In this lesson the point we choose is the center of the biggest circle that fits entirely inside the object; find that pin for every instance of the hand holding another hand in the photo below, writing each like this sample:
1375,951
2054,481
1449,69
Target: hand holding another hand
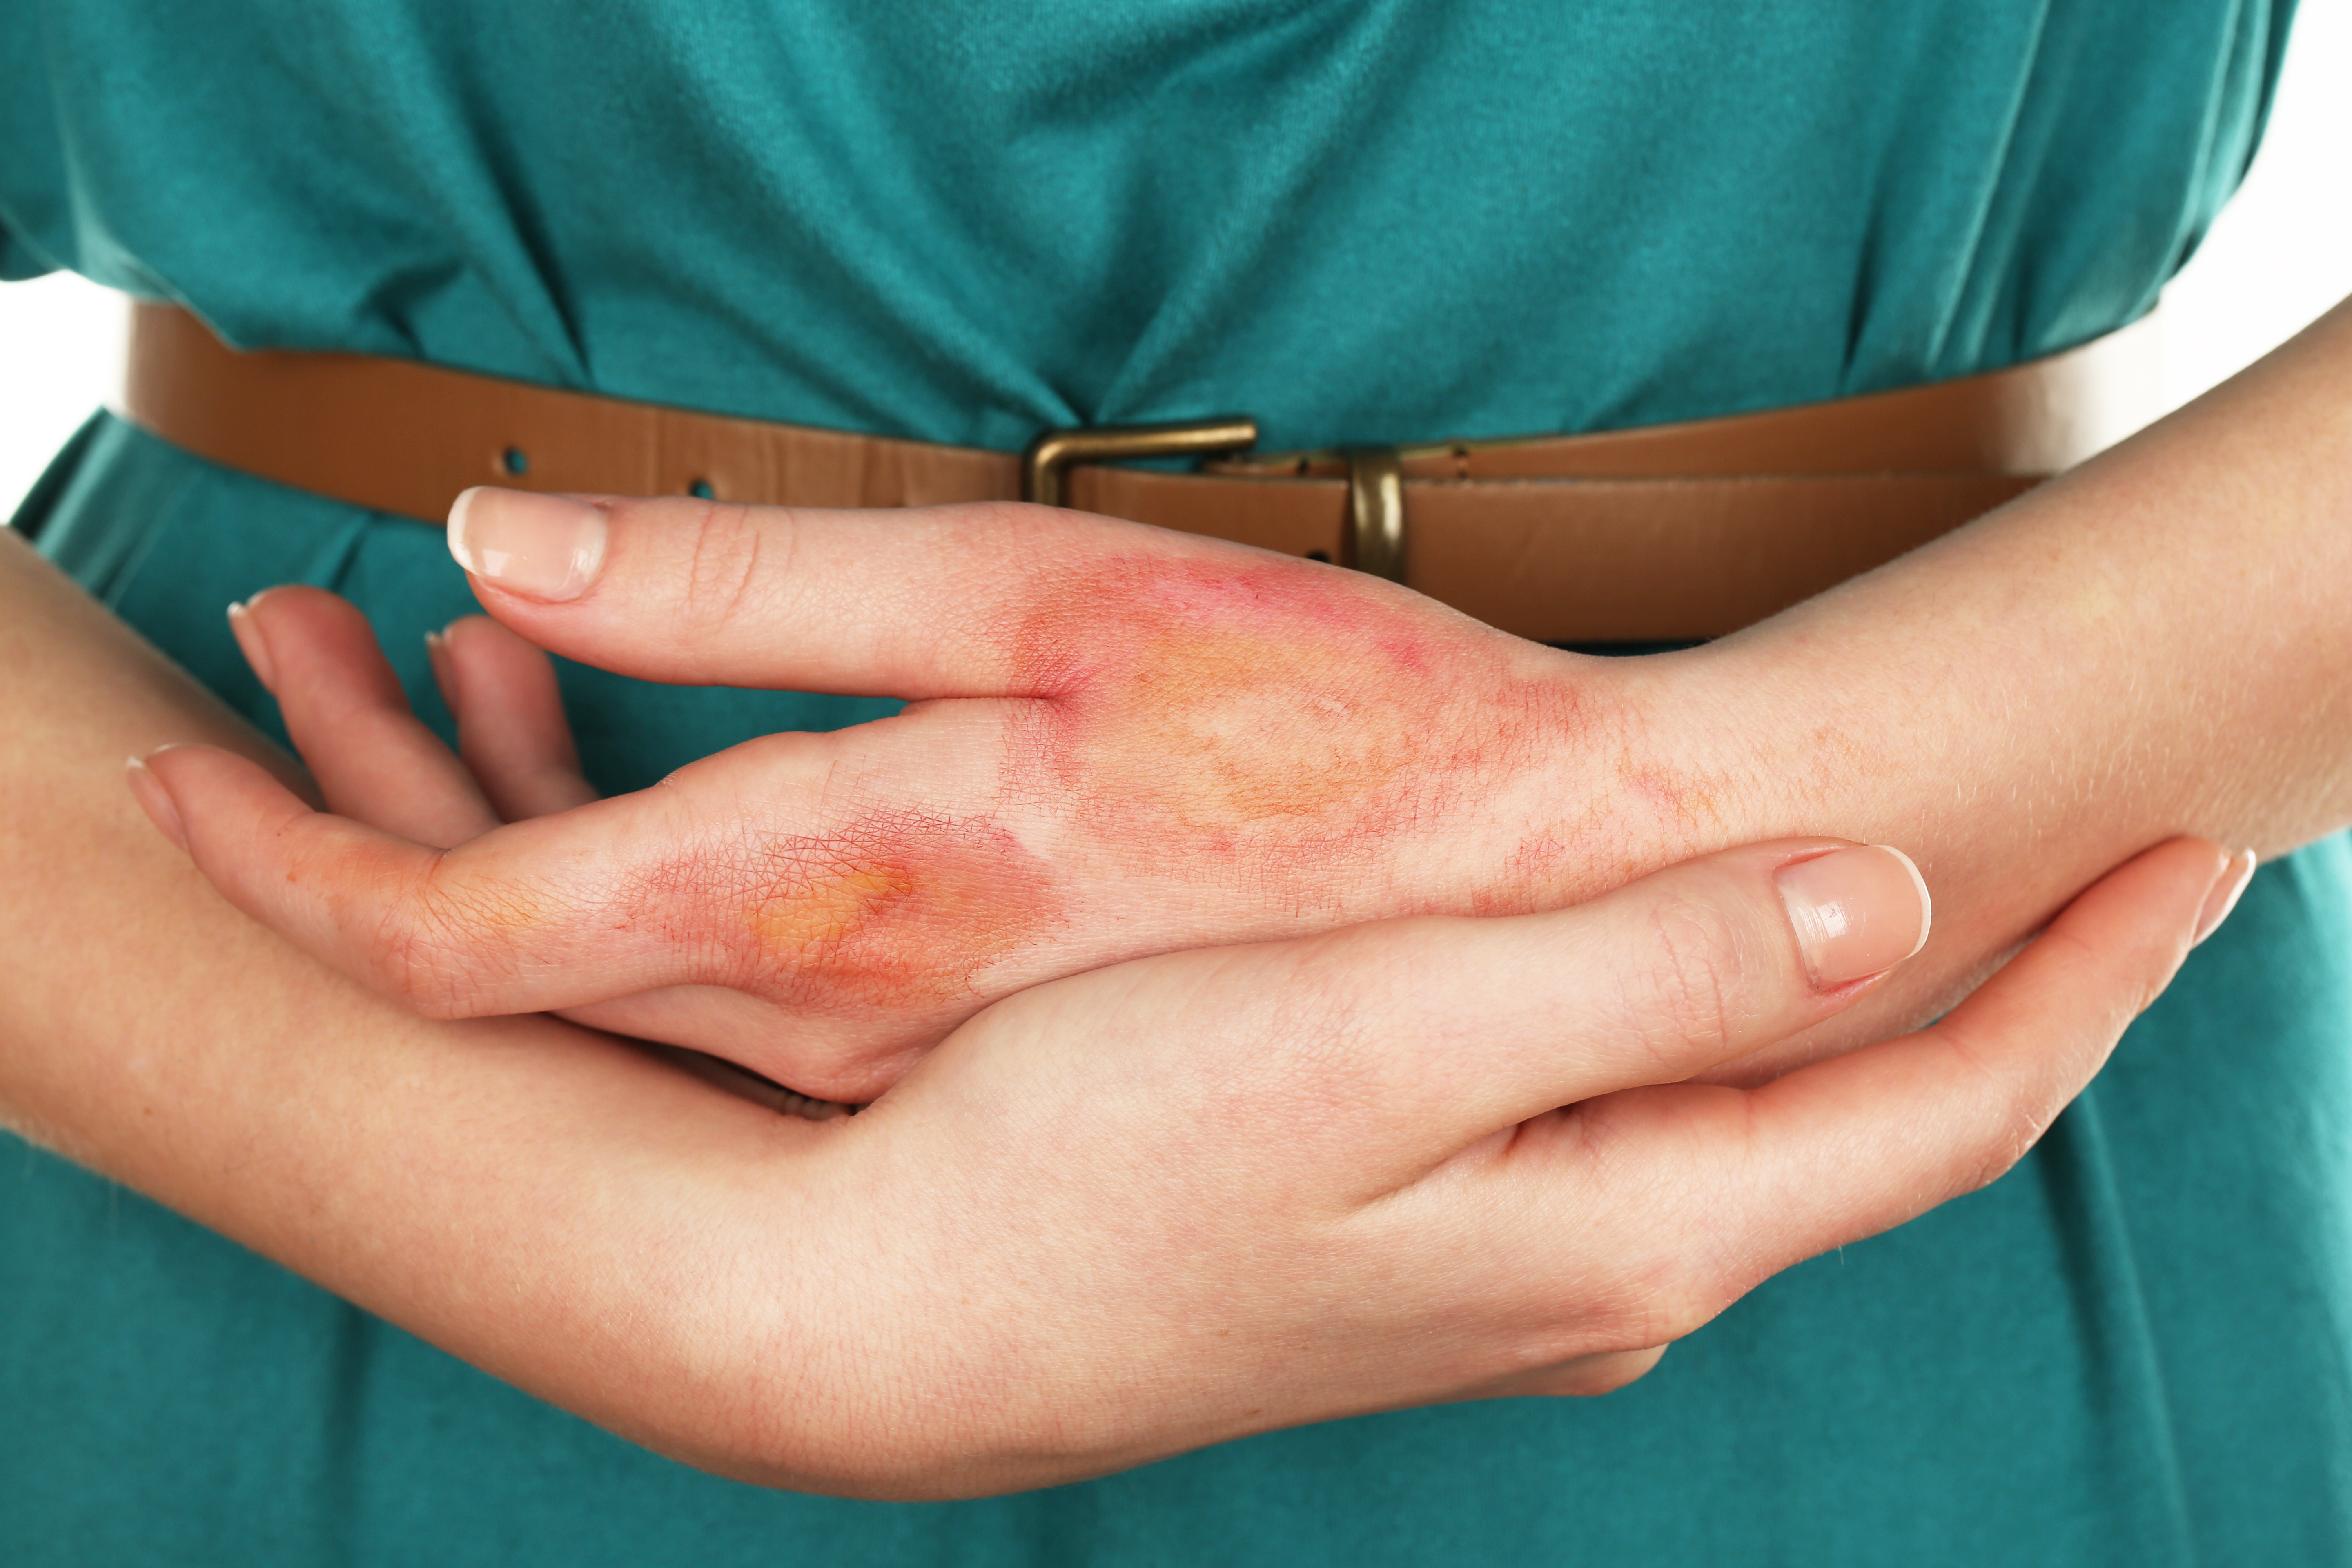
1185,1197
1122,741
1189,1197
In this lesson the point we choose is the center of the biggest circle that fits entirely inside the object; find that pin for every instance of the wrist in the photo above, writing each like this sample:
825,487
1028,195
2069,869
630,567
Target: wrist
1639,772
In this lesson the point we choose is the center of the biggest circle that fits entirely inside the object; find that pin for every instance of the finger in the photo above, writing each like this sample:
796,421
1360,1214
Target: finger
1481,1024
345,711
890,913
511,729
926,602
1716,1189
451,940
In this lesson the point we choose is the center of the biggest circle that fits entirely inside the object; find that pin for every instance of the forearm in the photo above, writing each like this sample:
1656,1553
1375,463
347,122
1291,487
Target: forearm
2157,643
535,1197
1107,1220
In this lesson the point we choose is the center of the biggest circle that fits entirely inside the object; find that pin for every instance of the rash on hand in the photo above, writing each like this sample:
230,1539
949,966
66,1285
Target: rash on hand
897,909
1286,715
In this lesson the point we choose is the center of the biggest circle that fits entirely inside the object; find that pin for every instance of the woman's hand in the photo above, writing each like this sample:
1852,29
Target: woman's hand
1126,742
1136,741
1194,1197
1113,1217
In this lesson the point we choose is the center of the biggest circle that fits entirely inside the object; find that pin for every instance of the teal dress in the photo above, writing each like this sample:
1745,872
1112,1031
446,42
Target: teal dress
1361,220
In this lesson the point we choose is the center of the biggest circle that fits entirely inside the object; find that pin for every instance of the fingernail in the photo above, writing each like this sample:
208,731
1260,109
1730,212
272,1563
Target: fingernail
540,546
1857,911
245,626
156,801
2227,890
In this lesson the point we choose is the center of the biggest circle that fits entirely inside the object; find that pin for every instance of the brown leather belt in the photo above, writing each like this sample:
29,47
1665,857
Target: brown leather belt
1663,532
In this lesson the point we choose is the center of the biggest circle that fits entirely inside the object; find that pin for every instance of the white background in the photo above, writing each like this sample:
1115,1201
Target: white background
2280,255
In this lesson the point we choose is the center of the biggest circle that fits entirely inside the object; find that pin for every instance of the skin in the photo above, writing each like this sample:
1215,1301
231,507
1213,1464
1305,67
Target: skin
1143,775
1104,1220
2155,642
1128,741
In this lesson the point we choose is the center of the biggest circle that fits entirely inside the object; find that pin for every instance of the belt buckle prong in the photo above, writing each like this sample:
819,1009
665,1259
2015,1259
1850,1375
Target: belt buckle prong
1054,453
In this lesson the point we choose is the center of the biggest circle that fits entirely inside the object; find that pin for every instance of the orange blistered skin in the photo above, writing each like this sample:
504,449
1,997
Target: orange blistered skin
899,908
1273,710
818,916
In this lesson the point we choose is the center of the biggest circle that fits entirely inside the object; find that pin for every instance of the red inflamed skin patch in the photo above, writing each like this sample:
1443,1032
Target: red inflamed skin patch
1273,742
895,909
1277,712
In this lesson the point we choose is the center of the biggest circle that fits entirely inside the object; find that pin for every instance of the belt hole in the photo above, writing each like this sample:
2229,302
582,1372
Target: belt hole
700,491
515,460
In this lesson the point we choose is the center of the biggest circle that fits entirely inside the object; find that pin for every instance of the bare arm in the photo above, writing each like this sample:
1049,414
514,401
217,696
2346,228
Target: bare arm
429,1170
1107,1219
2159,642
1134,741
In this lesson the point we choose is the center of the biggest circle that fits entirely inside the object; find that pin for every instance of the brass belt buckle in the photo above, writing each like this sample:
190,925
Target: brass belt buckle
1374,538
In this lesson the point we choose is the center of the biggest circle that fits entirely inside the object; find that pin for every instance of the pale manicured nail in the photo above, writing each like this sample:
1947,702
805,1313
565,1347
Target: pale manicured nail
246,628
1857,911
2227,890
542,547
156,801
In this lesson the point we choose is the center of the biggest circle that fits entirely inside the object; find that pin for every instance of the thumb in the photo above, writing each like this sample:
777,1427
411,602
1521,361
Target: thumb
1439,1030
